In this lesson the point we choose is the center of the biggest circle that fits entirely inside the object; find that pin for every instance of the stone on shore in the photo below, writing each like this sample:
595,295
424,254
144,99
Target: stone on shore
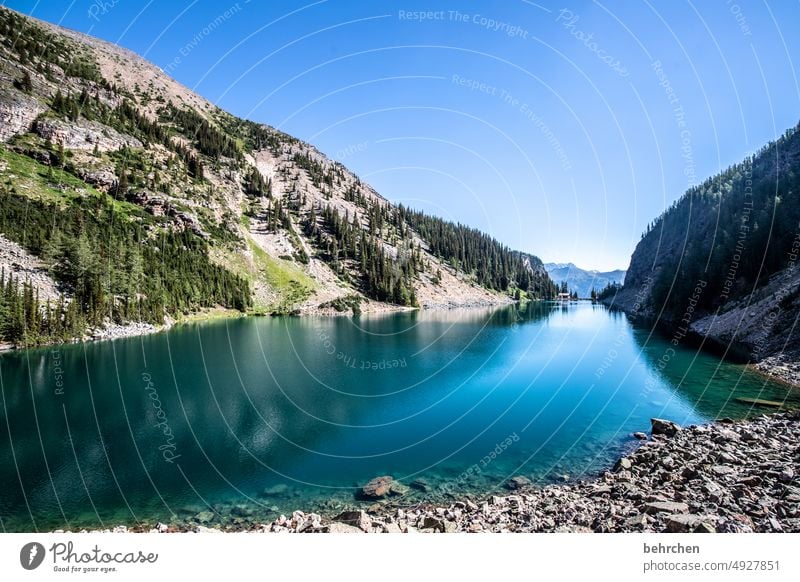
358,519
666,507
664,427
683,523
623,464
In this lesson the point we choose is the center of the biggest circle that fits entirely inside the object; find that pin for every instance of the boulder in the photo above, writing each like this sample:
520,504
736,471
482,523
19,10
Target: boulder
640,436
721,470
357,519
666,507
377,488
705,528
637,521
683,523
623,464
434,523
664,427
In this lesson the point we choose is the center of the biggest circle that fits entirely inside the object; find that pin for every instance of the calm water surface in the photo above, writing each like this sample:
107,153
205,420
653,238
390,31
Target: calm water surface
248,418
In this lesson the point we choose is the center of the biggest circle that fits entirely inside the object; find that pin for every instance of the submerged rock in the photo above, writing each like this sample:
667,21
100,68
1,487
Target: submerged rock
377,488
242,511
204,517
518,482
421,485
279,490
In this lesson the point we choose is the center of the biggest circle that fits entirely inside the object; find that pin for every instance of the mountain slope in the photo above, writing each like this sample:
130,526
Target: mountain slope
581,281
142,201
721,262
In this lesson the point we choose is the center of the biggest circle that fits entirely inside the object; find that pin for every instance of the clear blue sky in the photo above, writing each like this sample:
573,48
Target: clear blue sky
553,128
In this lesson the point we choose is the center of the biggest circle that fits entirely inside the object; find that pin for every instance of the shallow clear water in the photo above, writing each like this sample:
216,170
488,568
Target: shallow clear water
276,414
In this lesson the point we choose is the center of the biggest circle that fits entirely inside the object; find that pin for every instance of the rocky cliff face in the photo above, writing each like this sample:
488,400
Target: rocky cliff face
16,114
760,324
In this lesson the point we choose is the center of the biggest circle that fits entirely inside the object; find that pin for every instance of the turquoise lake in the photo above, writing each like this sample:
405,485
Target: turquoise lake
249,418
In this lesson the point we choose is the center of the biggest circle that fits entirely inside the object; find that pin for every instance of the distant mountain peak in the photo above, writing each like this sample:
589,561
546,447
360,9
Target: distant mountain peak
581,280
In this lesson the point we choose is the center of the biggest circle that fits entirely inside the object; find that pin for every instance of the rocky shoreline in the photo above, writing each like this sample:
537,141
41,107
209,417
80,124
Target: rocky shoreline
781,368
113,331
723,477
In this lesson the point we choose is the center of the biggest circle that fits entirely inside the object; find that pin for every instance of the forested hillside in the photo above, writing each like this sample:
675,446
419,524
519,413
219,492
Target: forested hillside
723,247
139,201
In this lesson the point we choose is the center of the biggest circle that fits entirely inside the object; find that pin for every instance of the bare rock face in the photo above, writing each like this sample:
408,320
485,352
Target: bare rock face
102,179
24,267
17,114
84,135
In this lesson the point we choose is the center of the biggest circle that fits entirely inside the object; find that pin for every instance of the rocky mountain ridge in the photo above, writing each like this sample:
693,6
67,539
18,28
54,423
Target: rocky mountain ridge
93,128
583,281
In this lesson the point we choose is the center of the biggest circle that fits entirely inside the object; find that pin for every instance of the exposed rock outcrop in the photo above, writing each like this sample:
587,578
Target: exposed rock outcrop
17,114
83,135
24,267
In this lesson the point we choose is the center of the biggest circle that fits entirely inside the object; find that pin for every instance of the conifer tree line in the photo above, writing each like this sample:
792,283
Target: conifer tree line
110,267
346,245
26,321
739,228
493,264
210,140
39,47
256,185
607,292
